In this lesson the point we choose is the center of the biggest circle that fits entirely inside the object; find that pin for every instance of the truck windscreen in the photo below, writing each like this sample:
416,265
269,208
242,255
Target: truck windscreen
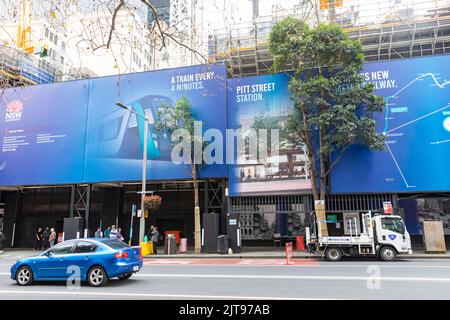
393,224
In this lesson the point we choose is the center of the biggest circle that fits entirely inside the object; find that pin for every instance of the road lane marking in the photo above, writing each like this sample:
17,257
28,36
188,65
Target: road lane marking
155,295
276,277
279,277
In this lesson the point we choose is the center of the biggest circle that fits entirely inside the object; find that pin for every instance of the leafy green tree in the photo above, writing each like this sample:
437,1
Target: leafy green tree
333,107
181,117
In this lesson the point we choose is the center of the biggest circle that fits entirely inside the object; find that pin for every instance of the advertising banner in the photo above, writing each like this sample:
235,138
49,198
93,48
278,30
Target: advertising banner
416,122
43,132
267,161
115,136
74,132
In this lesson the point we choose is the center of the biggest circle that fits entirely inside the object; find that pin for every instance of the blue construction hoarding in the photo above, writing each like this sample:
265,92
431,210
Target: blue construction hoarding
416,122
73,132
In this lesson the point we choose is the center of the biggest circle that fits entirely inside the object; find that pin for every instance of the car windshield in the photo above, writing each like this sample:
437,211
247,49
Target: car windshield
393,224
115,244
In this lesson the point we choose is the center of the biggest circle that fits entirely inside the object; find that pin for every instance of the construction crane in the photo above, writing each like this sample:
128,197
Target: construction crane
24,26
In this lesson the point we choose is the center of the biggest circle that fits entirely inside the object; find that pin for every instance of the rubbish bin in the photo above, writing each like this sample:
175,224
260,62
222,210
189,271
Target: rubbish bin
170,244
222,244
176,233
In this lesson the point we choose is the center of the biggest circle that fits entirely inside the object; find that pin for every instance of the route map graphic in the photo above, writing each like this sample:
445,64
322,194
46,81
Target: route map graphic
416,123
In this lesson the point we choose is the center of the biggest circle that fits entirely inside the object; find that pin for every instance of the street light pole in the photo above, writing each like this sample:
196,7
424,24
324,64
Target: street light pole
144,179
144,168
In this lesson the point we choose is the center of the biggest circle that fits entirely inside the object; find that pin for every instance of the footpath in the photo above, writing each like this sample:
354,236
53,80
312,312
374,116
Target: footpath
269,253
247,253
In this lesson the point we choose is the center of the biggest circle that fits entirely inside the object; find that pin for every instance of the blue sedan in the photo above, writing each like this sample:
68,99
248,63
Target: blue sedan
94,260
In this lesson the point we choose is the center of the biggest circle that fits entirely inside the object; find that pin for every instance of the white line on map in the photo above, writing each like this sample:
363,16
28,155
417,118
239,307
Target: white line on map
420,118
439,142
398,167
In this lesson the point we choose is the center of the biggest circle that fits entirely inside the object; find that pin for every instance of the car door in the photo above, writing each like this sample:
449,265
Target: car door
82,255
52,264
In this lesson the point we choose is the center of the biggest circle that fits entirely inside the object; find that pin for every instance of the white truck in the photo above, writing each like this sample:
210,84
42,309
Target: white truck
384,236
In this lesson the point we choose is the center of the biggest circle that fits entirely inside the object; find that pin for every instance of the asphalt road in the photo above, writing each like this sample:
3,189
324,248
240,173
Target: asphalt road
255,279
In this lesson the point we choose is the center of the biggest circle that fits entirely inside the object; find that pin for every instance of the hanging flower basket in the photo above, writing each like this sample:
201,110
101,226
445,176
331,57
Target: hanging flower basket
152,202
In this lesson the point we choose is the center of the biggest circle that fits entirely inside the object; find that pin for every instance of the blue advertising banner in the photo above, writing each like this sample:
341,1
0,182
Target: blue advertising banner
262,102
73,132
115,136
416,122
43,132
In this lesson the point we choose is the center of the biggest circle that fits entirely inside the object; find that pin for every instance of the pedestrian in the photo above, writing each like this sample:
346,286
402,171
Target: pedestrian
2,238
113,232
119,234
99,233
38,238
45,238
107,231
154,238
52,238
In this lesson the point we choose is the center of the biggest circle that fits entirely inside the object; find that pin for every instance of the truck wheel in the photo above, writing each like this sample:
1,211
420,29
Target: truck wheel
388,253
333,254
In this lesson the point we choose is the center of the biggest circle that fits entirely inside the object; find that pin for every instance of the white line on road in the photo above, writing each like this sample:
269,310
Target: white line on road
327,265
151,295
276,277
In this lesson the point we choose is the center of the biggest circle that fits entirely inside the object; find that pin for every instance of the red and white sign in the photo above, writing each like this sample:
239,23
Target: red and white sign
387,207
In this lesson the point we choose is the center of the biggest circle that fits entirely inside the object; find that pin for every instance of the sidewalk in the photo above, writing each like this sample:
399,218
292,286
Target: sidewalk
247,253
277,253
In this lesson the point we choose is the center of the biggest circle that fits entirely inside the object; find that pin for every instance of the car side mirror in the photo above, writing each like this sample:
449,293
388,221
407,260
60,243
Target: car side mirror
47,253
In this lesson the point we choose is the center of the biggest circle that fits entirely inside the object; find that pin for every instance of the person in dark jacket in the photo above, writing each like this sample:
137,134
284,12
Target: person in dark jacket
154,233
38,238
2,238
46,238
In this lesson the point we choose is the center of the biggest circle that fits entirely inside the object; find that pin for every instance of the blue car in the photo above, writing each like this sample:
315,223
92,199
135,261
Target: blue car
97,261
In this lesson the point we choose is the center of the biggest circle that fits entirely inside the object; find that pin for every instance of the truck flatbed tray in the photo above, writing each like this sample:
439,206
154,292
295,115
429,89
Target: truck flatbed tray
346,240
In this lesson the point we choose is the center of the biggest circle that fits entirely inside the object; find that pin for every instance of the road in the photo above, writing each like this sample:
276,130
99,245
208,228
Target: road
255,279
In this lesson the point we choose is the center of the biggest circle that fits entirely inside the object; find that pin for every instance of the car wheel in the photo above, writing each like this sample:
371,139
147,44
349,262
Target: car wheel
24,276
333,254
388,253
97,277
125,276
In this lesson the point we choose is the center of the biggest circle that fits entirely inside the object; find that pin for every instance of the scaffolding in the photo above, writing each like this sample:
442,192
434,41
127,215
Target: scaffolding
19,68
399,33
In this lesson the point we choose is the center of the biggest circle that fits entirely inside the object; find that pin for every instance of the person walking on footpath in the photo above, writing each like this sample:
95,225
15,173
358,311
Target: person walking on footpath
119,234
154,233
98,233
107,231
2,239
45,238
52,238
113,232
38,238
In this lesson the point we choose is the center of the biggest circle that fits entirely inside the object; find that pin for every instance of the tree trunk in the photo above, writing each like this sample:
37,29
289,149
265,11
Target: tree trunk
322,167
197,227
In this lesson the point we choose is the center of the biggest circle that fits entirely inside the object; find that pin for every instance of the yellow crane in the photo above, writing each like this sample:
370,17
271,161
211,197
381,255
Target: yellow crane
24,26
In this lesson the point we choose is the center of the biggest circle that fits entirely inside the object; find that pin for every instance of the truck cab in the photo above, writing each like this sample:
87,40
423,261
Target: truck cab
391,234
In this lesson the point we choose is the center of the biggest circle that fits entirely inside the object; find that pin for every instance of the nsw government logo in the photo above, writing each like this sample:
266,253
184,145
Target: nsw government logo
14,111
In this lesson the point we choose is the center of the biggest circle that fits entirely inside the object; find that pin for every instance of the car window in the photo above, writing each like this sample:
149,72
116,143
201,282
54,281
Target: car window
85,247
63,248
115,244
394,225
